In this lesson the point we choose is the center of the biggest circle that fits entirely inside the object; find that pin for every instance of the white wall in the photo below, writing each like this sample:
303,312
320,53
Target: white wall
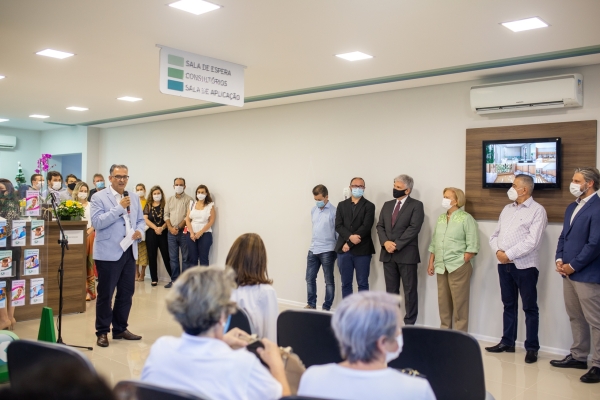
27,152
261,165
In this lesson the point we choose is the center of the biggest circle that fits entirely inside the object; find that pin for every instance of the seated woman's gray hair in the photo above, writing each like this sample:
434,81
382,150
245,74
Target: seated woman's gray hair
361,319
200,297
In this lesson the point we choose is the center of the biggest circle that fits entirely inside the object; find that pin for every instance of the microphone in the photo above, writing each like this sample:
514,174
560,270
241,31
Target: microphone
126,194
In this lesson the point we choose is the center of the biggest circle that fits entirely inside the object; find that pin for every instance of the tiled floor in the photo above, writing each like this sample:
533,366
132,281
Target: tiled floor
507,375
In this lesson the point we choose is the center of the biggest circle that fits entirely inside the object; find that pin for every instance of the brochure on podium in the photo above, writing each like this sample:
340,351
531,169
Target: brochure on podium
6,264
19,233
36,293
18,293
32,262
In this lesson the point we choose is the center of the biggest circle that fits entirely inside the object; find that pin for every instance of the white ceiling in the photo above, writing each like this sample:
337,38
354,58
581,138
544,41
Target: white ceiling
286,45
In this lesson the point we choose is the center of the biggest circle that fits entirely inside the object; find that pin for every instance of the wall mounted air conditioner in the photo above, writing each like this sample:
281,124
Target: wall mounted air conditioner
531,94
7,142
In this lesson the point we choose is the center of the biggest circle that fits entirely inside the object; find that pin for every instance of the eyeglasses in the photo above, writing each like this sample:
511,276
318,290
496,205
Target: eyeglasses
357,187
121,177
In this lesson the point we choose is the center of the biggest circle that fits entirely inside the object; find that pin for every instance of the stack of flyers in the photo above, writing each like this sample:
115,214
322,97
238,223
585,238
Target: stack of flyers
37,232
18,293
18,234
3,233
6,267
36,291
2,294
32,203
32,262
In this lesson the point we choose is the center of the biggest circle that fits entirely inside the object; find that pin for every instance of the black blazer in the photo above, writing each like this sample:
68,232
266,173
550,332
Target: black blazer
360,223
405,232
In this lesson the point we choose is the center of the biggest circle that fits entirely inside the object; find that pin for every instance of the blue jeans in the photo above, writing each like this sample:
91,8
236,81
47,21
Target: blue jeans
512,282
314,262
176,242
348,263
198,250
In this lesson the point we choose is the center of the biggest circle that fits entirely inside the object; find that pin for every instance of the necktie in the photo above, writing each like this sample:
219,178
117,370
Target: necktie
395,213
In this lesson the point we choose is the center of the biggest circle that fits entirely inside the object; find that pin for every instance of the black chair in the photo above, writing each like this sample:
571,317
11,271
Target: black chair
451,361
301,398
310,335
241,320
136,390
22,355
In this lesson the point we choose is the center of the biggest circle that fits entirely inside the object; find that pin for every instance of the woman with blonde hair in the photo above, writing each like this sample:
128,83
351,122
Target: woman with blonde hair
142,260
80,194
455,242
255,293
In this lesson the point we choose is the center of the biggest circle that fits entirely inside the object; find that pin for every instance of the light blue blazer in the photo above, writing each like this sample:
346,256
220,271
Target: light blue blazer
107,220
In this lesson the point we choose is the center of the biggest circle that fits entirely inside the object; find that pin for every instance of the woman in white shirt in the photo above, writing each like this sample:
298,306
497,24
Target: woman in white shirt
80,194
367,326
203,359
199,221
255,293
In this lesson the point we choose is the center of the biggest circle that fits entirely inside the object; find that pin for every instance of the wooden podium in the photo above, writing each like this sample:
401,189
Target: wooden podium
74,276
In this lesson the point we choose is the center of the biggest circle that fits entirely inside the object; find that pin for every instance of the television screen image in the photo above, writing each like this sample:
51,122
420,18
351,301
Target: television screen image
503,160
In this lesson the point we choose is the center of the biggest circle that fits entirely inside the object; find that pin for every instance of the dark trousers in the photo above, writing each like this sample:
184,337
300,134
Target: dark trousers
154,243
313,263
348,263
119,275
175,243
198,250
393,273
512,282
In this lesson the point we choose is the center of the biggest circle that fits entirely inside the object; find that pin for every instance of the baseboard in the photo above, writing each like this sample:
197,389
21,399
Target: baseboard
297,304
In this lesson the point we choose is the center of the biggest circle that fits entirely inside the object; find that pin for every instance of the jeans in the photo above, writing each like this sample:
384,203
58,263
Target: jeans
198,250
314,262
513,281
348,263
176,242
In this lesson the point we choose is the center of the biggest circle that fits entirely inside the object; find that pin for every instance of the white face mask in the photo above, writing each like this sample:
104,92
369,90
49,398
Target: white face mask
575,189
178,189
512,194
447,204
56,185
393,355
37,185
157,197
82,195
200,196
140,193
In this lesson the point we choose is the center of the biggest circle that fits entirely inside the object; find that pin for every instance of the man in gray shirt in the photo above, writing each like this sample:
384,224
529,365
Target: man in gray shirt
175,213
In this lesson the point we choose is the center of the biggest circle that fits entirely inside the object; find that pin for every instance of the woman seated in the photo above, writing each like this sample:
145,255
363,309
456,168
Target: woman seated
203,360
255,293
367,327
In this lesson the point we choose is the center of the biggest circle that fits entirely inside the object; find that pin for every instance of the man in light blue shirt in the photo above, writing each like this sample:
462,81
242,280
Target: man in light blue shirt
322,247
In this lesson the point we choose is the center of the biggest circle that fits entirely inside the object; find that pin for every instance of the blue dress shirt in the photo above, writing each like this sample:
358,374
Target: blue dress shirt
324,235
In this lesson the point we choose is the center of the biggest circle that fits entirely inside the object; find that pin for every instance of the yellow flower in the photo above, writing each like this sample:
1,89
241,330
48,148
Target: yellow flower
69,203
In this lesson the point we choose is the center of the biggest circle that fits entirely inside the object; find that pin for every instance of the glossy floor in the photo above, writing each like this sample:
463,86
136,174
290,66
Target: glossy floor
507,375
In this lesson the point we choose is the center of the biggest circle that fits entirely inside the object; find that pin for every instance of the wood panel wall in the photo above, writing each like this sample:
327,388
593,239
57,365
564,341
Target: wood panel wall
578,150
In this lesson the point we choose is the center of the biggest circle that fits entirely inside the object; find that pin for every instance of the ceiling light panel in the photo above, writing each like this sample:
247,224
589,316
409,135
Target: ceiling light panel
77,108
2,77
129,98
196,7
54,54
39,116
525,24
3,120
354,56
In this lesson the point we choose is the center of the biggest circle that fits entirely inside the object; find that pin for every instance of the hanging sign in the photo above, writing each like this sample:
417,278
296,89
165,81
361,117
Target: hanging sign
199,77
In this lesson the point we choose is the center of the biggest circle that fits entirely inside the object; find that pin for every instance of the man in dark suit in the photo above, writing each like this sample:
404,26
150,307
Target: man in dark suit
398,229
353,222
578,262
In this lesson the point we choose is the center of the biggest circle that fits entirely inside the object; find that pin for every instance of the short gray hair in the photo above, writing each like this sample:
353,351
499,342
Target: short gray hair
407,180
361,319
200,297
115,166
590,174
527,182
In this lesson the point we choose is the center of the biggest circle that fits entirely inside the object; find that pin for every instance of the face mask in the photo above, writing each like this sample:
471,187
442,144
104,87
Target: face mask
200,196
393,355
226,326
56,185
37,185
71,186
399,193
157,197
447,204
320,204
82,195
178,189
512,194
575,189
140,193
100,185
357,193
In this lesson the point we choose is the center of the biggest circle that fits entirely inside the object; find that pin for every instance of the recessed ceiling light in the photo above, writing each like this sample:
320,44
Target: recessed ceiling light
3,120
2,77
39,116
354,56
129,98
77,108
54,54
196,7
525,24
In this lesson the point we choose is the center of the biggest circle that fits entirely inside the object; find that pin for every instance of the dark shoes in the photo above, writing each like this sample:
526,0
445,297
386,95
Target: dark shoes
102,340
592,376
168,285
531,356
500,348
126,335
569,362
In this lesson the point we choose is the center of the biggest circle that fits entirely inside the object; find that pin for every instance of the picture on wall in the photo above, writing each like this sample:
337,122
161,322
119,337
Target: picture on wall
18,293
37,232
18,233
6,264
3,233
32,262
36,291
3,294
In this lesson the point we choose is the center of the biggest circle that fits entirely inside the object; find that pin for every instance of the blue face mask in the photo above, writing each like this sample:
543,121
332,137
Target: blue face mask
320,204
100,185
357,193
226,327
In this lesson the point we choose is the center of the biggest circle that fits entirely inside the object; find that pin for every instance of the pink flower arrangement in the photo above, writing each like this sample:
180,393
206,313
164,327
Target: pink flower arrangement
42,164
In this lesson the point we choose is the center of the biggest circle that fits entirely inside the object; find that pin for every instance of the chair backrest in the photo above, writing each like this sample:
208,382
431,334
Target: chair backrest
241,320
137,390
451,361
310,335
301,398
22,355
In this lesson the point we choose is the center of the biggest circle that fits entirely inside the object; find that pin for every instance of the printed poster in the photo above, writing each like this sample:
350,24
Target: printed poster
3,233
3,294
36,293
18,293
19,233
32,203
6,264
37,232
32,262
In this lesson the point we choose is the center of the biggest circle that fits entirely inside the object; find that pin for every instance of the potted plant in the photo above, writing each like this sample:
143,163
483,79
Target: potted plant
70,210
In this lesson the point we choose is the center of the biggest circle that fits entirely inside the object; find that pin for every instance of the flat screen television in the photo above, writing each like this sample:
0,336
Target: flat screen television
503,160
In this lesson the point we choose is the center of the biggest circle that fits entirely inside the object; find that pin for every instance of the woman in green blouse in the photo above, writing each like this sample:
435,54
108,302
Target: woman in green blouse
455,242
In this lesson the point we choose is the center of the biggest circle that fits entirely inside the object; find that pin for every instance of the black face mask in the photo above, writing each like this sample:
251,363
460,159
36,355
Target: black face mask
71,186
399,193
